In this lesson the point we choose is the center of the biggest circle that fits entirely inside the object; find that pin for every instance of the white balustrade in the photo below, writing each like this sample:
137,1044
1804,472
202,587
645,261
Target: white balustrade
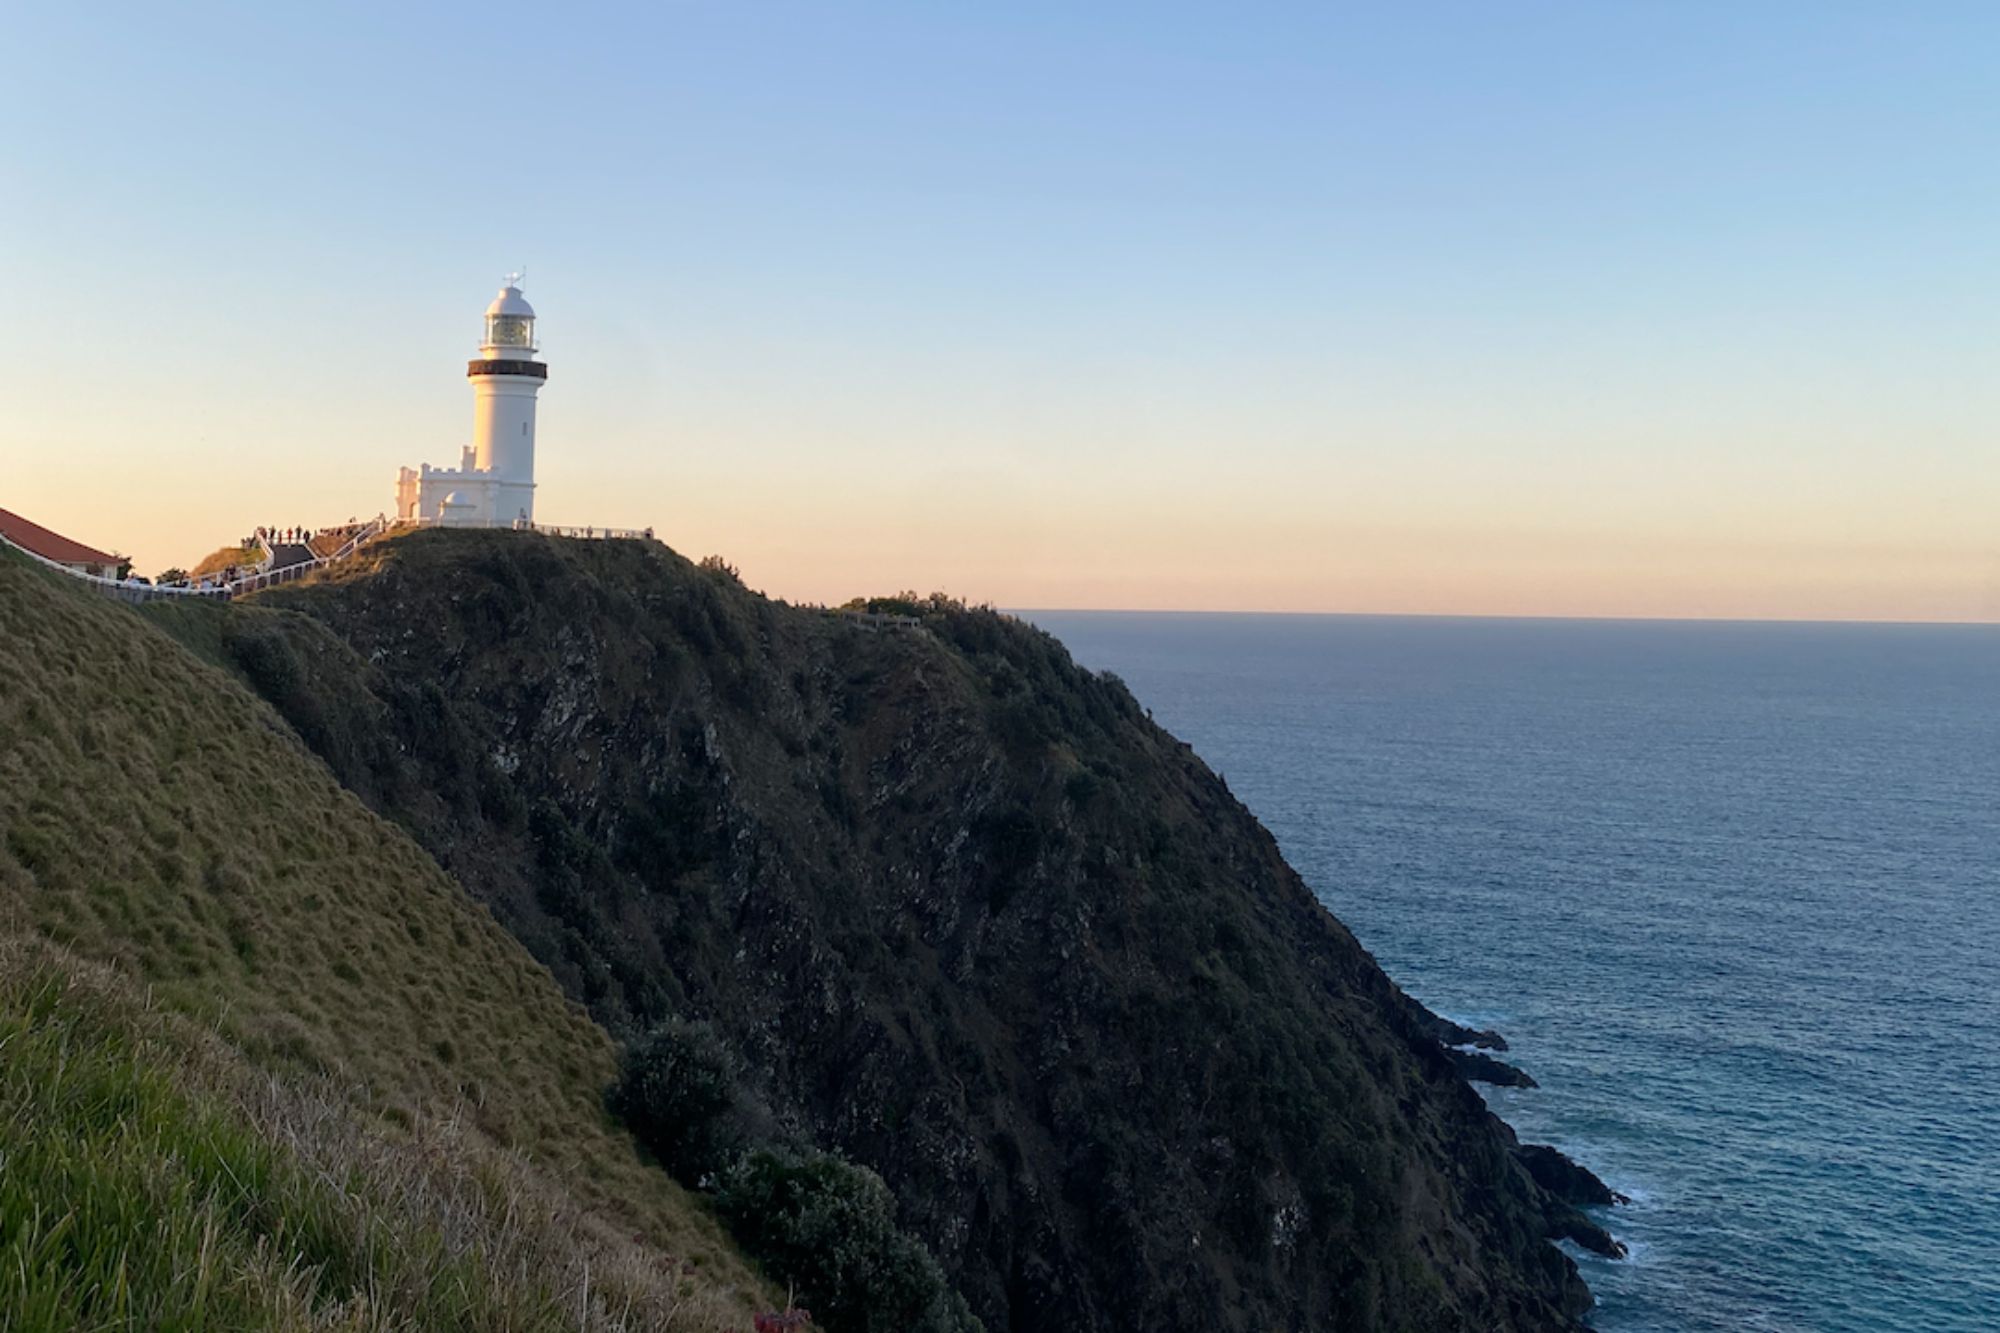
131,590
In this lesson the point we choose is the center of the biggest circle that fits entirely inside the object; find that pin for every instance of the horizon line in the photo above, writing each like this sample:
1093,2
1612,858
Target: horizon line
1802,621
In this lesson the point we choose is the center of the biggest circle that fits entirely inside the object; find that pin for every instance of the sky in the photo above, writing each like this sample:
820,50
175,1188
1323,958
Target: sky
1608,307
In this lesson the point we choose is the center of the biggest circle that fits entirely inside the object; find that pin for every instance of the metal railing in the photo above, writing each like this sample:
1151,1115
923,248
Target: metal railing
125,590
588,533
879,620
135,592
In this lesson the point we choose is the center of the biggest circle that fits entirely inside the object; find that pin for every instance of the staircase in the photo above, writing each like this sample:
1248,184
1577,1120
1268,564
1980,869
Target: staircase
294,560
286,554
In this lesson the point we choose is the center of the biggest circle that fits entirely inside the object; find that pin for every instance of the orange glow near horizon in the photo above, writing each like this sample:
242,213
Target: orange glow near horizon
1241,543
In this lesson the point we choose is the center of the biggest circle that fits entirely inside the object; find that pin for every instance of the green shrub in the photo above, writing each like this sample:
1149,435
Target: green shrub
716,565
828,1227
678,1092
266,657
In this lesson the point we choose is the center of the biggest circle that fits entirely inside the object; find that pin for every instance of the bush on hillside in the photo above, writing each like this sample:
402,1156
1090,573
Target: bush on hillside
267,659
715,564
828,1227
814,1220
908,603
678,1090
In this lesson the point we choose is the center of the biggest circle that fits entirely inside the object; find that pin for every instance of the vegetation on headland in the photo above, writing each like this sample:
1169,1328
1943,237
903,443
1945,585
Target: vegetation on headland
960,978
910,603
966,916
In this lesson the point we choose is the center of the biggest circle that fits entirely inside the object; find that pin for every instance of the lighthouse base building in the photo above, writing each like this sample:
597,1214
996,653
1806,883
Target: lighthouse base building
493,485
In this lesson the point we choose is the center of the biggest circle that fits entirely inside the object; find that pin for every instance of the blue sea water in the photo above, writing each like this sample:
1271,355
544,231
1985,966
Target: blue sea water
1728,889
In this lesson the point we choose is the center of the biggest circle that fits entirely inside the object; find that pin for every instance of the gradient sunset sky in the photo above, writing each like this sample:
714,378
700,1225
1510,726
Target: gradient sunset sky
1645,307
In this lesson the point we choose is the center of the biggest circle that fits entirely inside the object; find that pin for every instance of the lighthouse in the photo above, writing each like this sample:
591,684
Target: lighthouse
494,483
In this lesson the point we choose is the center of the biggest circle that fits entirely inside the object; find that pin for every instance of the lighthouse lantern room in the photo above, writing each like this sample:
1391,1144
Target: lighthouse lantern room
494,483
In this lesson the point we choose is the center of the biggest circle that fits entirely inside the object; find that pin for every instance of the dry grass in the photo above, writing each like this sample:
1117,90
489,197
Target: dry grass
157,817
215,562
154,1179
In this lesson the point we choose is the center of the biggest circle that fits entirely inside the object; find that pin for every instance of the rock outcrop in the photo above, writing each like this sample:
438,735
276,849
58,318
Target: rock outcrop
1480,1068
1563,1178
1449,1033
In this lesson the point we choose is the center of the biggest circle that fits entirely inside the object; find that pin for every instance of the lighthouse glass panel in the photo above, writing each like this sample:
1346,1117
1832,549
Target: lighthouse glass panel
510,331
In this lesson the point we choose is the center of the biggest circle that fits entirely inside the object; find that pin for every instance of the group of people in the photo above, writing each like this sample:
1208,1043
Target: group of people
302,536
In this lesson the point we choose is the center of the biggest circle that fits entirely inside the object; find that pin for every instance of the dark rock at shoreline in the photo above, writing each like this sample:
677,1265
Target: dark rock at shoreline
1477,1068
1569,1224
1562,1177
1565,1184
1457,1034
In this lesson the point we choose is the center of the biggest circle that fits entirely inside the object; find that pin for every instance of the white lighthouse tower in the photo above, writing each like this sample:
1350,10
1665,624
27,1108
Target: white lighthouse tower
494,483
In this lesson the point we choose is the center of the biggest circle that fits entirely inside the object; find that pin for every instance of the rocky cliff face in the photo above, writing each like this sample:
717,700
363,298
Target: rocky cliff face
969,915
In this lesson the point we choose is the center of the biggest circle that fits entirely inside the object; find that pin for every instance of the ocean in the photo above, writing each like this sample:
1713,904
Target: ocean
1729,891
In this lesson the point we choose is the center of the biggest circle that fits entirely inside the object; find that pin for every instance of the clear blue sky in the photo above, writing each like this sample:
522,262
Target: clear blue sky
1648,308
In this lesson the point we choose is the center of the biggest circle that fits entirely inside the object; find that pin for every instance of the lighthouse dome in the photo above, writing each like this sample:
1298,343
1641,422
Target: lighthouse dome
510,302
510,324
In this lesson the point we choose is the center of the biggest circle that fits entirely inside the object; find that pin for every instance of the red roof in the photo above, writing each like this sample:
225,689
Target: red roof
50,545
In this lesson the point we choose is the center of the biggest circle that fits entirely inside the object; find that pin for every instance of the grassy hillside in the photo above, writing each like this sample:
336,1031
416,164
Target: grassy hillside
153,1180
156,817
228,557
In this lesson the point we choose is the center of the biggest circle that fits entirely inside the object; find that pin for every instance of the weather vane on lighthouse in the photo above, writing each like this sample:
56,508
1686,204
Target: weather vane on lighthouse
514,278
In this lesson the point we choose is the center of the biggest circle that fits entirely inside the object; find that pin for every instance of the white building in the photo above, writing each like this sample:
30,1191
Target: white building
494,482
